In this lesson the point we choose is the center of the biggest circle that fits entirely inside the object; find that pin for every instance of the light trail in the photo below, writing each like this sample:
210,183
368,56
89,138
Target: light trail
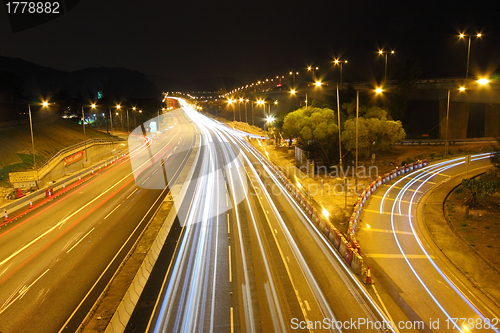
428,173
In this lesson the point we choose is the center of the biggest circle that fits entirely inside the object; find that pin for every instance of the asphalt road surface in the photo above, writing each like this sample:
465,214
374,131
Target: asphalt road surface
248,259
416,282
57,258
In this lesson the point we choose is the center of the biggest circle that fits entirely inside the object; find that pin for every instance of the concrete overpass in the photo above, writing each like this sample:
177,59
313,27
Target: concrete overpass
485,98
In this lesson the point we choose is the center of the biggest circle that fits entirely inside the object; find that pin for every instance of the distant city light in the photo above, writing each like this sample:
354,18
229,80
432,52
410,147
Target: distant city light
483,81
378,90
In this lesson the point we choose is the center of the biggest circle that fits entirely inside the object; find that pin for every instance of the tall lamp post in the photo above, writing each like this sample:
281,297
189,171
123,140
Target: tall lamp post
84,135
382,52
246,113
31,129
239,108
230,102
340,63
293,73
261,102
468,52
311,68
378,91
338,122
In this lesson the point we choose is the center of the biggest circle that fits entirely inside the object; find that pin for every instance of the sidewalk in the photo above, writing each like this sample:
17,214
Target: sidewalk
479,271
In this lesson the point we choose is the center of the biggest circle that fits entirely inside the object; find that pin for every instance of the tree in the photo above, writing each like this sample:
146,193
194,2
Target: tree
478,188
375,132
316,128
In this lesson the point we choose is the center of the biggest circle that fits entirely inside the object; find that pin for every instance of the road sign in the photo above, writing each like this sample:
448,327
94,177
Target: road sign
73,158
25,185
25,176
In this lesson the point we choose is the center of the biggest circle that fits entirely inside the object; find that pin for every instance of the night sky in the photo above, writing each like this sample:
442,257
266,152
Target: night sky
248,40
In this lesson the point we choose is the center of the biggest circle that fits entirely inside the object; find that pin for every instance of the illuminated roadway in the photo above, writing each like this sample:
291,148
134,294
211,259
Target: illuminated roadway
56,259
420,283
248,260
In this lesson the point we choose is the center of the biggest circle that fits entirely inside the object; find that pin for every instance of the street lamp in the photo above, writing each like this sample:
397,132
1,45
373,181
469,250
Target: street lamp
293,73
468,52
261,102
93,106
44,104
310,68
246,113
378,91
239,107
340,63
135,123
230,102
381,52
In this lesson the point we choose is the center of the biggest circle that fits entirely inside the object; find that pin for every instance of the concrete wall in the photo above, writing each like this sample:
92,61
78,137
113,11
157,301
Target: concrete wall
457,122
95,153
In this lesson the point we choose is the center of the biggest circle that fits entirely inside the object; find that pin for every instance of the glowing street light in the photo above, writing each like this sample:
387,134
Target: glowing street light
44,104
461,88
378,90
483,81
317,83
340,63
381,52
479,35
293,91
93,106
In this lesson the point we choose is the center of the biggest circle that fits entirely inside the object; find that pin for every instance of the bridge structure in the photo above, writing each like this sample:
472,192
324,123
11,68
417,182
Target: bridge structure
462,100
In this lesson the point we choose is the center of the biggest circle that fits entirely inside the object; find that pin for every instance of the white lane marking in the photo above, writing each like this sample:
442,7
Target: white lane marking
232,322
132,193
385,309
228,227
388,231
397,256
80,240
112,211
307,305
227,200
146,180
22,292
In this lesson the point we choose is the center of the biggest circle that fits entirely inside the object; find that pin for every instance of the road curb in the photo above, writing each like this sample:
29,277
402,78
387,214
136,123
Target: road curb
435,223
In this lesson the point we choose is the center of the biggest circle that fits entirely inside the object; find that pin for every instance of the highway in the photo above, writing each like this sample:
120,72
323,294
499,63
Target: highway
415,281
248,259
57,258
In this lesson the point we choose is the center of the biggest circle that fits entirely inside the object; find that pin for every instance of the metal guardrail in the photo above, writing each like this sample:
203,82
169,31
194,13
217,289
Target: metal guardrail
88,142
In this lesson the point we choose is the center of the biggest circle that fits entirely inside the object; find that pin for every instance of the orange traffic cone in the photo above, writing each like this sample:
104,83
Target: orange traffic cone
368,276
